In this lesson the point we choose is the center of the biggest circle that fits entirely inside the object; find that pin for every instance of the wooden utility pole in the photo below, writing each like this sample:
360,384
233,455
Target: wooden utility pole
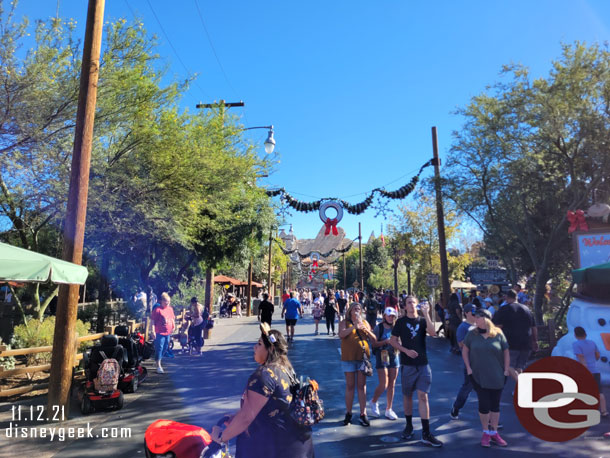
360,247
440,218
269,273
344,275
249,296
74,231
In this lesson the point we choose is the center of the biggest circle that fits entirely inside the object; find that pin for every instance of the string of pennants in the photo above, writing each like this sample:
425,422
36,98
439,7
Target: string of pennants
355,209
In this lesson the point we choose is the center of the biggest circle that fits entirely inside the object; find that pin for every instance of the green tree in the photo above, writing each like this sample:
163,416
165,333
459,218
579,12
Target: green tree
529,151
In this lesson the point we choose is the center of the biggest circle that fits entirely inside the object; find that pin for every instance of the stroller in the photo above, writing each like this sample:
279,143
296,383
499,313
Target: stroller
104,371
134,372
169,438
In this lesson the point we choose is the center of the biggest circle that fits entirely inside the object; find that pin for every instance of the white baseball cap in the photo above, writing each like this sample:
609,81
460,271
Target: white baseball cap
390,311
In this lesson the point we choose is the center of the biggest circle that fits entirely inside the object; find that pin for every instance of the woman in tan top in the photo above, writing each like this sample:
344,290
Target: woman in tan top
354,332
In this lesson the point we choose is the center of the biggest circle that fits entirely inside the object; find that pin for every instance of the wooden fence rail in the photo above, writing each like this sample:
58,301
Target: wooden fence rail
45,367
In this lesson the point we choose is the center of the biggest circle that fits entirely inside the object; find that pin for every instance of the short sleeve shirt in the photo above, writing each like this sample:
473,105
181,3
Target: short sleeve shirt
587,348
163,319
266,309
412,334
516,321
292,307
487,359
462,330
272,426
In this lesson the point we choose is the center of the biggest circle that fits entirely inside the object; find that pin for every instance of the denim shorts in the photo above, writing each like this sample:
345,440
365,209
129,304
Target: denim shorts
350,366
394,362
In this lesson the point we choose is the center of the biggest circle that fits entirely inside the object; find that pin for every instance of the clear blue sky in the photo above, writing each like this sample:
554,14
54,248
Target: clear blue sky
352,87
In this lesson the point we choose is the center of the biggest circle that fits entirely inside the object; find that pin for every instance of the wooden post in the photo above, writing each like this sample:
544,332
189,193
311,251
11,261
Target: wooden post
74,231
361,265
249,295
209,290
440,219
344,275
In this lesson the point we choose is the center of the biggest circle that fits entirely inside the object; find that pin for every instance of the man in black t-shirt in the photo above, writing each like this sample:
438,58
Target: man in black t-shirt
265,310
409,338
519,327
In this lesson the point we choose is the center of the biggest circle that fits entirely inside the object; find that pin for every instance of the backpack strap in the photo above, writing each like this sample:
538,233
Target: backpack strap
103,355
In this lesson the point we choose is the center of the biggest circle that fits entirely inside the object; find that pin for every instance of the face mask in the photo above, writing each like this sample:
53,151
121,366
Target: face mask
482,330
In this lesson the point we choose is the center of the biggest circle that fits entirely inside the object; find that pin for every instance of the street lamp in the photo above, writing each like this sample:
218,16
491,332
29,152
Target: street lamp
270,142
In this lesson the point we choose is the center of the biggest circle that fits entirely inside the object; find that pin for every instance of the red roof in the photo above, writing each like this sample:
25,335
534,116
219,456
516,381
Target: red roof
223,279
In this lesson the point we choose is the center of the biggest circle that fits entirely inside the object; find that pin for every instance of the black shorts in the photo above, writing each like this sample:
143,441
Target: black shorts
291,321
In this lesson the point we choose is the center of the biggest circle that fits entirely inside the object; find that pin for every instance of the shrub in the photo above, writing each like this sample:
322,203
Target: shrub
40,334
7,362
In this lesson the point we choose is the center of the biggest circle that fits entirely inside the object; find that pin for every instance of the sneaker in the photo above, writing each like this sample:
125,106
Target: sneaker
407,433
391,415
374,409
160,370
485,440
347,419
498,440
454,414
429,439
364,421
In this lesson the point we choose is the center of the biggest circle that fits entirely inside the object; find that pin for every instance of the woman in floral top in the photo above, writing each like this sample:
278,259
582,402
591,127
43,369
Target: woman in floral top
262,426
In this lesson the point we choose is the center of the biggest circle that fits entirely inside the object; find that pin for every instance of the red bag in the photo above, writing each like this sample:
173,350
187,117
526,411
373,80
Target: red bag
184,441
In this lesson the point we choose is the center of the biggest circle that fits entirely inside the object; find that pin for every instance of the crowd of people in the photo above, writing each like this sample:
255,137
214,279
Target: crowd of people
494,334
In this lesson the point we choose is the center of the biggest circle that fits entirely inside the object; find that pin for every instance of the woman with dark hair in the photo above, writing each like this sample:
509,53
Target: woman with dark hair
455,319
330,311
262,425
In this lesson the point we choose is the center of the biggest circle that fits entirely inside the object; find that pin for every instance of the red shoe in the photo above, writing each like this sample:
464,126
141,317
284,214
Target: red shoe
498,440
485,440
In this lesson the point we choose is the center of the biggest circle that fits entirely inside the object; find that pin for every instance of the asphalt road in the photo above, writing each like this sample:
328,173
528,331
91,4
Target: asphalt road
200,390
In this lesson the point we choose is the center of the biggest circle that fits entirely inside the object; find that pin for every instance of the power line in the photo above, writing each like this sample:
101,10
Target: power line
214,49
174,49
222,69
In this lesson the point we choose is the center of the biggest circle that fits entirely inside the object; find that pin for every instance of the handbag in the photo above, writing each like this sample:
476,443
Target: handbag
366,367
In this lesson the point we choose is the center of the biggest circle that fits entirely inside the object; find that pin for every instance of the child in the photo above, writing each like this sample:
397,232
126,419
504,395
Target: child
317,314
587,353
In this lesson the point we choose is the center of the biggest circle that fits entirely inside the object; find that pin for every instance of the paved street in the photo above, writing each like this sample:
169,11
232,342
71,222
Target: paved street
200,390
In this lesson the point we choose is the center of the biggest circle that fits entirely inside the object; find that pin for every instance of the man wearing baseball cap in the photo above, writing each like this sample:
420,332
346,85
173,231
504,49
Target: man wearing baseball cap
466,388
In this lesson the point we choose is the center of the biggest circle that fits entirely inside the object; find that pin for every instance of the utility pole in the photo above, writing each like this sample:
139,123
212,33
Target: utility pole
269,273
209,273
344,275
249,296
360,246
440,218
74,231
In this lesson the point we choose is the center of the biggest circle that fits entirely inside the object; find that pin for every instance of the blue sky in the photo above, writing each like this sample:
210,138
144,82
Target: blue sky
352,87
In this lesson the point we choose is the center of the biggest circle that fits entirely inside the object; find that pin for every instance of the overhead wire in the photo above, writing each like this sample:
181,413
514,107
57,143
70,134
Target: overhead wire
169,41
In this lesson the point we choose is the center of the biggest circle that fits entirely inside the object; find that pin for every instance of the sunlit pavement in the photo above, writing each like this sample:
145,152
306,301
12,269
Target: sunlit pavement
200,389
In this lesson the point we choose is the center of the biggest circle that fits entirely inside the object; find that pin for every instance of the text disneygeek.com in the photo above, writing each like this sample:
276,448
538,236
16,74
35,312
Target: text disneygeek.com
61,433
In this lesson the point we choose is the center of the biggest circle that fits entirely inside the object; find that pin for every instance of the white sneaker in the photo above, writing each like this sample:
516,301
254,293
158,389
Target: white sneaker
160,370
391,415
374,409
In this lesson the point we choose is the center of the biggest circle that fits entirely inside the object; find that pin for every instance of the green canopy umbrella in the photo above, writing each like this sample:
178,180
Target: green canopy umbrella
599,274
18,264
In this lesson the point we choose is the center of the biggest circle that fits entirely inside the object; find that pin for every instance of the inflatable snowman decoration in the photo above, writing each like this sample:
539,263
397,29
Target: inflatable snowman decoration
591,309
594,317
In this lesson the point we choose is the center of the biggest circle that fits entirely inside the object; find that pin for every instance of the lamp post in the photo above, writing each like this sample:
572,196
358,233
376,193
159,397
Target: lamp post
269,147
